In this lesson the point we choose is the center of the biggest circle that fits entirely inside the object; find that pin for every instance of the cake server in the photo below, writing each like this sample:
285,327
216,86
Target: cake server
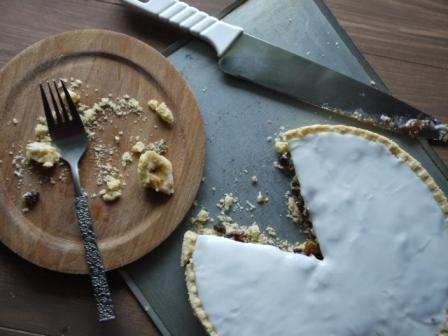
245,56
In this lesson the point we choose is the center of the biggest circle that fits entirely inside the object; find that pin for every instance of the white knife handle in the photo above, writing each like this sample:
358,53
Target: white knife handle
219,34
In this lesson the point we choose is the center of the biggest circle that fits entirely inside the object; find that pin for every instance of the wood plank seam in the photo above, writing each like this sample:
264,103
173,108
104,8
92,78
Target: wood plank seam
21,332
404,61
111,3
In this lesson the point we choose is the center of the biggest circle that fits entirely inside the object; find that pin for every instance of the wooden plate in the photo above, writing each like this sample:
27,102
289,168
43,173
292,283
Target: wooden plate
48,235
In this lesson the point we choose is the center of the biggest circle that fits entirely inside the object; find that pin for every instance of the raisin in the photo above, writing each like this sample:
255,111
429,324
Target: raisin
283,160
31,198
220,228
295,186
310,248
239,236
297,250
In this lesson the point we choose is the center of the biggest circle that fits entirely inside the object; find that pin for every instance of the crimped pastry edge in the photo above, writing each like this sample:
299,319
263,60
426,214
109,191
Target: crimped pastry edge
188,245
190,238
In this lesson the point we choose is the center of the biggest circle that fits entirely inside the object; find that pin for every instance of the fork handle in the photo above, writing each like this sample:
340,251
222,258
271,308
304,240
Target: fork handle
101,291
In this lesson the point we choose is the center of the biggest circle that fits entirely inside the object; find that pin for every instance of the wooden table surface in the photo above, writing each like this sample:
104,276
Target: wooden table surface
406,41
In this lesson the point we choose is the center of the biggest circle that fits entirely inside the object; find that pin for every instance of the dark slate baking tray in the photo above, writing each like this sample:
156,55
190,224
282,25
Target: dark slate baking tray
238,117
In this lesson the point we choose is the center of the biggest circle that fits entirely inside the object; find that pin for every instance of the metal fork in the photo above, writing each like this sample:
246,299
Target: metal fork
69,136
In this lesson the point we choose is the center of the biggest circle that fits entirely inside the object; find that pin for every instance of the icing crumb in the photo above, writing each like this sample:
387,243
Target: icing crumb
126,159
156,172
42,152
15,121
251,206
262,199
254,179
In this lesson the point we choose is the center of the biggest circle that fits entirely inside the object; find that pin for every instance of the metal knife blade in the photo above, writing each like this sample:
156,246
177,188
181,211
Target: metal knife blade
248,57
277,69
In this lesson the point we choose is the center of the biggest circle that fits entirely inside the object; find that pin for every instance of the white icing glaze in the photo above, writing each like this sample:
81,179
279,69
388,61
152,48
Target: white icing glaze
385,247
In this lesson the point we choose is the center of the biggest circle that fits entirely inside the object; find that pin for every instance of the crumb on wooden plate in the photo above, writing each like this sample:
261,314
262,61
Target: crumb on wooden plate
156,172
162,110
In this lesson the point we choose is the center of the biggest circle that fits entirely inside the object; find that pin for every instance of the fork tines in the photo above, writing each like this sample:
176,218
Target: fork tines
60,109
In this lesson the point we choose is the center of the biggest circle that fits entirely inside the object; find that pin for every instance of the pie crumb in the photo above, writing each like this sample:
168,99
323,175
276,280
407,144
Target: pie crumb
281,146
113,189
43,153
201,217
138,147
162,110
262,199
126,159
229,200
156,172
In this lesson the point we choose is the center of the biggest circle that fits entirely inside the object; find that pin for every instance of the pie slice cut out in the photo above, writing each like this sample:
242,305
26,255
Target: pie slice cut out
381,222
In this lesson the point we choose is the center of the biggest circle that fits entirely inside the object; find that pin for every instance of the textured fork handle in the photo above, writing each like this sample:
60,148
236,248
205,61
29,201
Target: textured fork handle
220,34
100,286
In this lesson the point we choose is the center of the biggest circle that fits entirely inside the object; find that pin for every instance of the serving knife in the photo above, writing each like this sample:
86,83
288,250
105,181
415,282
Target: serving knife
248,57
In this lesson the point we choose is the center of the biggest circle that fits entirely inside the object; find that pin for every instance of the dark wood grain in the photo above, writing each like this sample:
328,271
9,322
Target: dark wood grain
4,331
43,302
406,41
407,30
23,22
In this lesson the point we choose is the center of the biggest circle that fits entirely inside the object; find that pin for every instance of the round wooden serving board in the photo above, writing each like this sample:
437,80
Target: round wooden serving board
127,229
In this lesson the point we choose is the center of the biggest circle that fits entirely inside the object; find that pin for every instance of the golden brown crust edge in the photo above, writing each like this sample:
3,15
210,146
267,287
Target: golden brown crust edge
188,246
190,237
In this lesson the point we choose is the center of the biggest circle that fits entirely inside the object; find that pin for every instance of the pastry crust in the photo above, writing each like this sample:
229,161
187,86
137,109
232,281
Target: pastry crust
415,165
190,237
188,246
